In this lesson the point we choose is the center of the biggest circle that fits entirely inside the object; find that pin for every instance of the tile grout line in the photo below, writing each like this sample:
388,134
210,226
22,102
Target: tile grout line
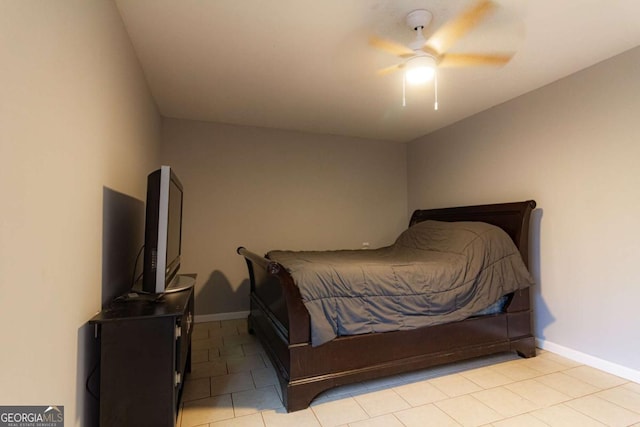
537,379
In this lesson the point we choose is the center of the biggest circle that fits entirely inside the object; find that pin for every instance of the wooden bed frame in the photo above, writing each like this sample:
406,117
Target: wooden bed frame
281,322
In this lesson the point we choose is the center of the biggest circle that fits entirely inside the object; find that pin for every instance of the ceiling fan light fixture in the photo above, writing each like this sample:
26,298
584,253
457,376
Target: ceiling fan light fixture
420,69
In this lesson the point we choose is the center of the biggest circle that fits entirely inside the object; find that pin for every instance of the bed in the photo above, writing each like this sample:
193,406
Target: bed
305,367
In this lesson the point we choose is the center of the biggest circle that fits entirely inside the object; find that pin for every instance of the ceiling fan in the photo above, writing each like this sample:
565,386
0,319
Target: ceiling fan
423,57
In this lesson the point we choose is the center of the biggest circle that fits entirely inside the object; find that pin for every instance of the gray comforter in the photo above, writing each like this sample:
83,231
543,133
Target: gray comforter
435,272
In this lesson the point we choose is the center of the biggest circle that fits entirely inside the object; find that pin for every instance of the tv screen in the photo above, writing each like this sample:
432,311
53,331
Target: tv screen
163,230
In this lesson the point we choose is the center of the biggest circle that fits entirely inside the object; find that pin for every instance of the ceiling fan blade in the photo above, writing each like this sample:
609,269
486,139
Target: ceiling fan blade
453,30
389,70
391,47
470,59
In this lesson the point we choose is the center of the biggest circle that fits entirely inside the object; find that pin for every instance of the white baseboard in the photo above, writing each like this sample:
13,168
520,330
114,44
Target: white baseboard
594,362
200,318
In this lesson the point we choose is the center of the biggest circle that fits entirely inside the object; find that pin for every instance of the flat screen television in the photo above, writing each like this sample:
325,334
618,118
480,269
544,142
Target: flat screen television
163,233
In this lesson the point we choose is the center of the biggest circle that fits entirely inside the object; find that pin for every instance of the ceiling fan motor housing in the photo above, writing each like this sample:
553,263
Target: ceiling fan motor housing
419,18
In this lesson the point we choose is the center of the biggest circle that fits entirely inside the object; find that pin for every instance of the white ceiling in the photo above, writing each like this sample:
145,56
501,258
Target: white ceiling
307,65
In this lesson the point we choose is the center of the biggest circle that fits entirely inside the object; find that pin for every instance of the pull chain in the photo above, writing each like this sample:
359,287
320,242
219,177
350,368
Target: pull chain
435,87
404,90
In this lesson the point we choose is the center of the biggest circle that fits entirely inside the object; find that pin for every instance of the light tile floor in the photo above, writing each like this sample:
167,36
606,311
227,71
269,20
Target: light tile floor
232,384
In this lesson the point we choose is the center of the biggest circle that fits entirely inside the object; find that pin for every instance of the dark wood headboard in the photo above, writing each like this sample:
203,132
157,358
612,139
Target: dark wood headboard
511,217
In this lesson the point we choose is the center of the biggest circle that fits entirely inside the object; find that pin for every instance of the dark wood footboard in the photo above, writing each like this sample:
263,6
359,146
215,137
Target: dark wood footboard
281,322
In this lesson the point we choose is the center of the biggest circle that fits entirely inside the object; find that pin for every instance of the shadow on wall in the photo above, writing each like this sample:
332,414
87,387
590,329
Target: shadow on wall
122,239
542,316
217,295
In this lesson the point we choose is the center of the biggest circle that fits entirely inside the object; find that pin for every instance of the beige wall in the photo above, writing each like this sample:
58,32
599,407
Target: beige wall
574,147
266,189
77,124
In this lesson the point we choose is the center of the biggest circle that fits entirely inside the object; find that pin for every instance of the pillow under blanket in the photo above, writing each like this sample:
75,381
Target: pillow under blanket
435,272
